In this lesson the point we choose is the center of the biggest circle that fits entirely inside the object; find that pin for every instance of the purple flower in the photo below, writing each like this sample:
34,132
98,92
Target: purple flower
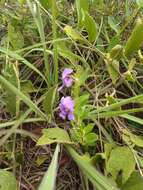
67,108
67,77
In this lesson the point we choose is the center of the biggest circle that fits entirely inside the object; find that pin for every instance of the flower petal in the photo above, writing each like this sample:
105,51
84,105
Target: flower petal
71,116
62,116
67,72
67,82
66,107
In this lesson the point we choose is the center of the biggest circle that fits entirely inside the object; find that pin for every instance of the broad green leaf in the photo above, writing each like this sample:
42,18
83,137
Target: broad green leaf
113,24
108,148
49,179
135,40
7,180
140,3
90,139
90,26
97,179
81,5
89,128
10,98
135,182
49,100
118,162
113,69
72,33
15,37
54,135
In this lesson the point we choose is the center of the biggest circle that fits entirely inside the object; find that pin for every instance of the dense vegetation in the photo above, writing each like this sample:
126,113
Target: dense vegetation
71,93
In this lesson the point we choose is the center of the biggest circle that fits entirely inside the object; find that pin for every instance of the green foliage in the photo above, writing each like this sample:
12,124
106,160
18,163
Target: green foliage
118,162
135,40
7,180
85,135
46,3
54,135
92,174
90,139
113,24
113,69
81,5
90,26
116,52
139,3
22,96
98,4
49,100
10,98
72,33
38,40
129,138
49,179
135,182
15,38
81,109
21,1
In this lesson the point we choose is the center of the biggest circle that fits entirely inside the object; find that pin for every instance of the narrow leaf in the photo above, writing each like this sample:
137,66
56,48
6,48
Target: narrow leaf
90,26
135,40
81,5
22,96
49,179
91,173
49,100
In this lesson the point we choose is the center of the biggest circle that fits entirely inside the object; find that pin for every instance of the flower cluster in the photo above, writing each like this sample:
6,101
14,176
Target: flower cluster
67,104
67,108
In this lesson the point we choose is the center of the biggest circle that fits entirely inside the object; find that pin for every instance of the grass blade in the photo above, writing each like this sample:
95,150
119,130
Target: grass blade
38,19
23,97
93,175
48,182
18,57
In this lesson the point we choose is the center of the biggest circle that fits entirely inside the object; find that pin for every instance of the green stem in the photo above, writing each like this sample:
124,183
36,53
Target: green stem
55,51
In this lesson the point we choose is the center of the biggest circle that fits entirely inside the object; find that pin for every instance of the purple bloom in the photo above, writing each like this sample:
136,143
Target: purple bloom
67,108
67,77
